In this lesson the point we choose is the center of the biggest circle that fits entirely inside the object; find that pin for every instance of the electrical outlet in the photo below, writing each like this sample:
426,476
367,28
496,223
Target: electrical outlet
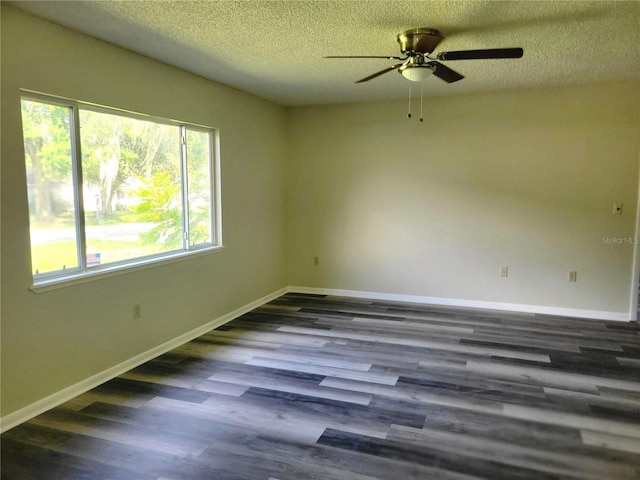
573,276
504,271
137,312
316,261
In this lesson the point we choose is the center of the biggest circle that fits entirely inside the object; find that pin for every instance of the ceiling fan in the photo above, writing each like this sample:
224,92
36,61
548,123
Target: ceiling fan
416,65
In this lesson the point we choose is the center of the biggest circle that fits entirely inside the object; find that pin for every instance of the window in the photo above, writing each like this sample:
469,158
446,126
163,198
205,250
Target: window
109,189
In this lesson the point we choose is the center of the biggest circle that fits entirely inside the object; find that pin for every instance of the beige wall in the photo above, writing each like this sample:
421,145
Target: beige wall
523,179
55,339
519,179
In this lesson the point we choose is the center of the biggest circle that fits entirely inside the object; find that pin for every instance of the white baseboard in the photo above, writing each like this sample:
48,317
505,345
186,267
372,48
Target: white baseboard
454,302
26,413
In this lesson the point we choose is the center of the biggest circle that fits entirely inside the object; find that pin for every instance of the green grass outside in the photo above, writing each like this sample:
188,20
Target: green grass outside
67,220
56,256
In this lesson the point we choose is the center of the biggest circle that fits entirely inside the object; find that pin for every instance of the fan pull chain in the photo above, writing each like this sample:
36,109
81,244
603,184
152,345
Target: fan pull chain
421,101
421,85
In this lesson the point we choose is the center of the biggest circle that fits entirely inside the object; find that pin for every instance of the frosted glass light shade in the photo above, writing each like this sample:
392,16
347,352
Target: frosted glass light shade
416,73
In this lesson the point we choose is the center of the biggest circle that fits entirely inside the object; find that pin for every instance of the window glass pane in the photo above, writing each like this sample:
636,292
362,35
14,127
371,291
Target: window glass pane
131,186
48,160
143,182
199,186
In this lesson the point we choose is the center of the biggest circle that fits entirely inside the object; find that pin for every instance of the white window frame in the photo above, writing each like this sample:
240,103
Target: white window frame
82,273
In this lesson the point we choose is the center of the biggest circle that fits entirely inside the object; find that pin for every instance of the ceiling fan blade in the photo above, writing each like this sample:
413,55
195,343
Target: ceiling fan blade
482,54
445,73
377,74
363,56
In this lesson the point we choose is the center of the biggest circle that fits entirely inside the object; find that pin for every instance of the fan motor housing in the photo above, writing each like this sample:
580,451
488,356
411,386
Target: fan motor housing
419,40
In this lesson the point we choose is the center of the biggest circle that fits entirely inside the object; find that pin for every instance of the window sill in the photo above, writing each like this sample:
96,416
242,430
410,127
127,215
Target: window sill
48,284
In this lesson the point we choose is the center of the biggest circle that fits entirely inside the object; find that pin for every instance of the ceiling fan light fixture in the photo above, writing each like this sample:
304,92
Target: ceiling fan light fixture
417,73
417,65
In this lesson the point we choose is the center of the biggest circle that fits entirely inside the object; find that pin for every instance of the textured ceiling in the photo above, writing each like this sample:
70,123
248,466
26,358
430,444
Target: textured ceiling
275,49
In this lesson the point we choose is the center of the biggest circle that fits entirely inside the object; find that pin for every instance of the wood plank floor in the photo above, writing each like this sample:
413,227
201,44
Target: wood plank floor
315,387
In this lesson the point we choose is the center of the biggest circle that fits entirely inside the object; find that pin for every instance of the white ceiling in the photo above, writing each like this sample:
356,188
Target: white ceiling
275,49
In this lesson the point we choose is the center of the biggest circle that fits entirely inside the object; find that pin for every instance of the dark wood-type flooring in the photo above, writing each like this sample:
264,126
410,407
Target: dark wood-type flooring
315,387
